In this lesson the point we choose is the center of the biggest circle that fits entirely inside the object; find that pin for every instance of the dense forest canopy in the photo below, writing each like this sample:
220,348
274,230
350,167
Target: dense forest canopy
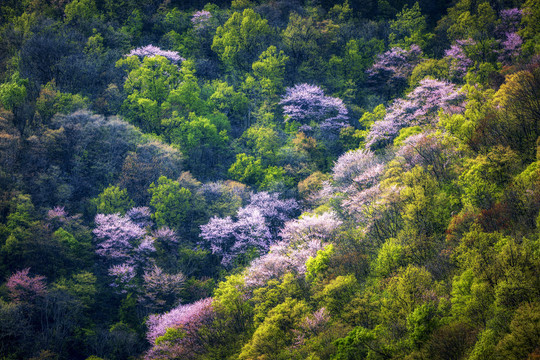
270,179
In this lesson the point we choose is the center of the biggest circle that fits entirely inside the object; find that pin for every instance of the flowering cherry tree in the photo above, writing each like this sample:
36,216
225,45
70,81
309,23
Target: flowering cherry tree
22,287
302,239
281,259
429,150
420,107
359,166
308,105
229,239
58,212
507,33
390,71
457,56
151,51
311,227
200,18
117,236
311,325
123,277
182,324
274,210
128,246
510,21
255,226
510,48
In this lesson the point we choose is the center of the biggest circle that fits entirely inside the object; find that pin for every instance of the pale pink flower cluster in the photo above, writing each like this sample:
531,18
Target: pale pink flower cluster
199,18
355,166
281,259
302,239
420,107
311,325
179,317
151,51
311,227
123,275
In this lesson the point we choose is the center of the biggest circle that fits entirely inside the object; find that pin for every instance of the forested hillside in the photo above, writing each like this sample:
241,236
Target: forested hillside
270,179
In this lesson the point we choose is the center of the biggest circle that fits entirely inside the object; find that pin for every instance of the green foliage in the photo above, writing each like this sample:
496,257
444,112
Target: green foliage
274,293
239,39
312,184
531,28
468,19
369,118
337,293
80,10
22,212
127,315
80,248
421,323
485,346
113,200
359,343
147,86
274,177
471,298
171,203
263,141
185,97
405,133
247,169
201,140
483,181
233,104
482,74
409,28
172,335
478,106
409,288
316,266
438,252
346,72
273,336
516,103
230,303
13,93
389,258
524,336
134,24
436,69
81,285
426,212
270,70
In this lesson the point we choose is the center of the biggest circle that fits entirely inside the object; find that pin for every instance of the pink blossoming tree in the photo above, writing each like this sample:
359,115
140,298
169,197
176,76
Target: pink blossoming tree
420,107
151,51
